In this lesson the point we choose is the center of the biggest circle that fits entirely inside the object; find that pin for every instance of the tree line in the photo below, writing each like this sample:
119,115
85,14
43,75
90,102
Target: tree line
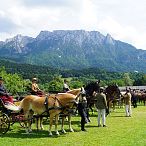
18,77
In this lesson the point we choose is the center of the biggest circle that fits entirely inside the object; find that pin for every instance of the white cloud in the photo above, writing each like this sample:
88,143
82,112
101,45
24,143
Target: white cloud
123,19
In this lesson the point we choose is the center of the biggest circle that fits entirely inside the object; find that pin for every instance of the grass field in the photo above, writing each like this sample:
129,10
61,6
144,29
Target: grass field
121,131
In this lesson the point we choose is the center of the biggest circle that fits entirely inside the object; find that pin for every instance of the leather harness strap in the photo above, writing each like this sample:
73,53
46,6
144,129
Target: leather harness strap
61,107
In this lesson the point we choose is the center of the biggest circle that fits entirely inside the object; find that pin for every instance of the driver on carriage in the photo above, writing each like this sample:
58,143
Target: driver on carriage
65,86
4,95
35,90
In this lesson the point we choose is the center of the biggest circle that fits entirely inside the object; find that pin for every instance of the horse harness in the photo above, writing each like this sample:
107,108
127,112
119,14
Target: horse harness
61,107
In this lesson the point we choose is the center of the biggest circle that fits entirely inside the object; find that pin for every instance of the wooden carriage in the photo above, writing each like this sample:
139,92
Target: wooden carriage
8,116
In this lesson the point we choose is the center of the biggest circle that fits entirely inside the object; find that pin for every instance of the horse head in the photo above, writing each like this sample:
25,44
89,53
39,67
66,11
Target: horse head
112,91
67,101
91,87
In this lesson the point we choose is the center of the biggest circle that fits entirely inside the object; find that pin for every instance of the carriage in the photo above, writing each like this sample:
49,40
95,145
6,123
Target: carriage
50,106
9,116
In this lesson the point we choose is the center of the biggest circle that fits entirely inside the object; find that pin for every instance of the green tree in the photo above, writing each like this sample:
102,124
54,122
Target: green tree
76,84
143,80
13,82
127,80
55,85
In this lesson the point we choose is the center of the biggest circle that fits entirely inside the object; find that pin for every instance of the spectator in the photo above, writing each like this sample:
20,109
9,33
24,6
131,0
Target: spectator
101,106
127,98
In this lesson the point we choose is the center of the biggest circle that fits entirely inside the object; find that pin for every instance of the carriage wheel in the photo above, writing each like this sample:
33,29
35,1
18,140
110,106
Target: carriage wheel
22,120
15,117
4,123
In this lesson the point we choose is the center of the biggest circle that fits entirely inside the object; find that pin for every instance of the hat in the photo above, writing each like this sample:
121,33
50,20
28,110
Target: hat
1,78
101,89
34,79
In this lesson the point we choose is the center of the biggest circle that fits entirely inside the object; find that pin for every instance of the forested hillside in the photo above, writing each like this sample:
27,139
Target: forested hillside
47,74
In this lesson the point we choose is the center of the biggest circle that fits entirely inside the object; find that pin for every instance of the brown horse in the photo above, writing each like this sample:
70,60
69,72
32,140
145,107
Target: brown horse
34,104
64,113
112,95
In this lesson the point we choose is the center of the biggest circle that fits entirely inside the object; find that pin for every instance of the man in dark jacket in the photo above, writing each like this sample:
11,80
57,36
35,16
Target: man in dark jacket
82,109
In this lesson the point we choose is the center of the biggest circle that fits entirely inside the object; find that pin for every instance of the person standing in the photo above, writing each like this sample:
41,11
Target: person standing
82,109
4,95
101,105
127,98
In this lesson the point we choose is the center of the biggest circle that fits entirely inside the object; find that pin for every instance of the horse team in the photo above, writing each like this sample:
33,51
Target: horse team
51,106
54,104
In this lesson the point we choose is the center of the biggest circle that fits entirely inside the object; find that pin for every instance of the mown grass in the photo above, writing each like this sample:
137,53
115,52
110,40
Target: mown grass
121,131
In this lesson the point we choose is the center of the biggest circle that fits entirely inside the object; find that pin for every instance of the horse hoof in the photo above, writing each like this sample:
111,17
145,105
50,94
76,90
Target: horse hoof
30,130
71,130
42,128
57,133
63,131
50,134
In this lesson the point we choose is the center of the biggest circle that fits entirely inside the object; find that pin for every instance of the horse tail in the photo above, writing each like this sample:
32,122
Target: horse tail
19,107
16,106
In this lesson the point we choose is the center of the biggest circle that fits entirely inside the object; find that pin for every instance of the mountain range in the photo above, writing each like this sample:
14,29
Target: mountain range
74,49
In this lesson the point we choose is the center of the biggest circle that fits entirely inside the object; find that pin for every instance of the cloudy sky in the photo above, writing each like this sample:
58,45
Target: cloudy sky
125,20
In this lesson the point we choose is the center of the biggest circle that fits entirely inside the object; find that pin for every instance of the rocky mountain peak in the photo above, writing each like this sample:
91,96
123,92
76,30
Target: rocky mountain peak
18,43
109,40
43,35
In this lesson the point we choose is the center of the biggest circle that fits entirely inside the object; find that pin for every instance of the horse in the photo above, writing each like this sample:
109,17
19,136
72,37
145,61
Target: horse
112,95
63,114
51,105
77,93
90,89
140,96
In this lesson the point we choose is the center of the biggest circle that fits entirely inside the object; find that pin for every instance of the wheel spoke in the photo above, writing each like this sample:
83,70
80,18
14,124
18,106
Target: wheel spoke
4,123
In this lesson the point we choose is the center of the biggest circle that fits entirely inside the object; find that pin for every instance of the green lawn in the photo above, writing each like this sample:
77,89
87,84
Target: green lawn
121,131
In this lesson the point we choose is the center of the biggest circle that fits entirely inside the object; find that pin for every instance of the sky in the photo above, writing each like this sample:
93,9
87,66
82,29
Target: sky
124,20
